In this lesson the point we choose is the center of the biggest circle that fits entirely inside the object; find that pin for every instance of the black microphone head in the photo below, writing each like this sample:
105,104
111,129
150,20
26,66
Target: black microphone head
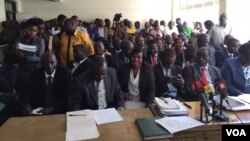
217,80
221,87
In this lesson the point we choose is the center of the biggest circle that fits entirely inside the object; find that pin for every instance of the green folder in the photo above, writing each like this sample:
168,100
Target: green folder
149,129
2,105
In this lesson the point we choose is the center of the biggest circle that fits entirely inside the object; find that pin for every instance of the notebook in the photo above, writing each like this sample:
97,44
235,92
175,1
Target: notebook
81,126
149,129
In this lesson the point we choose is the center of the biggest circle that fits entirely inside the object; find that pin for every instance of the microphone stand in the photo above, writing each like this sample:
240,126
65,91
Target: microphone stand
221,116
206,114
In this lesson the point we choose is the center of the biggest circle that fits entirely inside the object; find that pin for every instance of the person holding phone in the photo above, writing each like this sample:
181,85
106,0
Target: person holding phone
168,76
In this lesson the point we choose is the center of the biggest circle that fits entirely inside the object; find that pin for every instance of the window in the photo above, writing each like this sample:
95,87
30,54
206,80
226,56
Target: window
10,8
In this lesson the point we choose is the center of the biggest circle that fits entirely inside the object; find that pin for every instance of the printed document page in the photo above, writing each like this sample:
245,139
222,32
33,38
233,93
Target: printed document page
178,123
106,116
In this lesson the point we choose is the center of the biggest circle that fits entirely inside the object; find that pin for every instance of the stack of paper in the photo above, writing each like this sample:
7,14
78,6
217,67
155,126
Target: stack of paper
106,116
245,98
81,126
171,107
180,123
27,50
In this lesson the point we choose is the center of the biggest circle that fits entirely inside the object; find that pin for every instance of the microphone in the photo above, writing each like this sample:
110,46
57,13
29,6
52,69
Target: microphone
199,88
222,90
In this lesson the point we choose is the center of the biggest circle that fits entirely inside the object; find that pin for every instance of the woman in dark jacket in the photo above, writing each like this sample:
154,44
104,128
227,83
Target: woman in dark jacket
137,81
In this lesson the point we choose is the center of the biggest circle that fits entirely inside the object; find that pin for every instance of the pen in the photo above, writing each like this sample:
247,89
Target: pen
77,115
164,100
187,105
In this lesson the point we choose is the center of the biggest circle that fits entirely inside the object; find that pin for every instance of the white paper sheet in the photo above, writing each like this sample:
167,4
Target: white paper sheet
106,116
245,98
35,111
236,104
179,123
81,126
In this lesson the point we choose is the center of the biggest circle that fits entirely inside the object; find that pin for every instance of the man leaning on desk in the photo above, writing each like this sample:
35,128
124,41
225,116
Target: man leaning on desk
97,88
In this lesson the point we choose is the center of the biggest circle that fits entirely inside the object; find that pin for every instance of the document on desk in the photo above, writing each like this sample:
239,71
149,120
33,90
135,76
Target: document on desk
236,103
179,123
106,116
81,126
245,98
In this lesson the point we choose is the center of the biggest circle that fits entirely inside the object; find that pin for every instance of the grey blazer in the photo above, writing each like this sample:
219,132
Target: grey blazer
192,72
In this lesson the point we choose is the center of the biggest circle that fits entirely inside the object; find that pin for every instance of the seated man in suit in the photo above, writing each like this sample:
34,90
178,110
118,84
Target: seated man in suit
123,57
231,51
49,87
81,62
202,70
168,76
236,72
97,88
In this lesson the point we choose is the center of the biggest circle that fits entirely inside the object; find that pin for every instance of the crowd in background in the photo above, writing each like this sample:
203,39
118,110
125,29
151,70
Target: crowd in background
100,64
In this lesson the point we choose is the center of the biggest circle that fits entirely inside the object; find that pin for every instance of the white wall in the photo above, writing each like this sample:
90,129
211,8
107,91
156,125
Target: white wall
238,18
90,9
2,12
200,14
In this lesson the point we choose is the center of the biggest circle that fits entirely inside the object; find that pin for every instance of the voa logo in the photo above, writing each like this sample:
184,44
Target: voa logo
236,132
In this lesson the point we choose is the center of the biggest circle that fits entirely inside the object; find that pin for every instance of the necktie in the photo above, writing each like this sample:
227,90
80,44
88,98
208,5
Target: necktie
49,96
204,76
154,60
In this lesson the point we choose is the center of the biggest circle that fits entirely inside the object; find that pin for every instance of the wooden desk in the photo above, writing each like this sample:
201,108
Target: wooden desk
53,128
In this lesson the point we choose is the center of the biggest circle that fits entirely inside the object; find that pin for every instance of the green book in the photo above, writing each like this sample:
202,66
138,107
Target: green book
2,105
149,129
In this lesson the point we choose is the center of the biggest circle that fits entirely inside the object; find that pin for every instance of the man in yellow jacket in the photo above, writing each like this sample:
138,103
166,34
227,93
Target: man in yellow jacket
72,36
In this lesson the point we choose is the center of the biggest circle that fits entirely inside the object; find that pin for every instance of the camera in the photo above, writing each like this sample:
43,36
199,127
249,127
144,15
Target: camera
117,17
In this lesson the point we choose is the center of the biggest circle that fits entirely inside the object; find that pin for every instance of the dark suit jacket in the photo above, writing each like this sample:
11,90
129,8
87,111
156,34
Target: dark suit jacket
146,81
84,95
38,86
159,79
221,56
220,47
118,60
233,75
81,68
192,72
8,73
180,58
